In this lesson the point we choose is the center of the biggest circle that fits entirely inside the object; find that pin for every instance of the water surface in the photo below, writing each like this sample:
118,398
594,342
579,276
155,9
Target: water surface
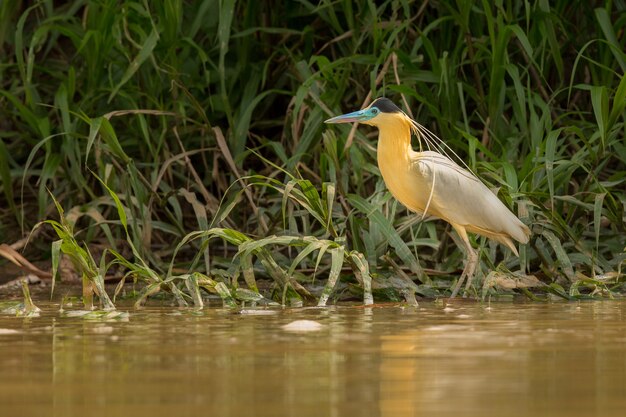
466,359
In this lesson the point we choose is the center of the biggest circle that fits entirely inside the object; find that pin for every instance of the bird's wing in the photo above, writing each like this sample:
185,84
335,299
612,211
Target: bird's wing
459,197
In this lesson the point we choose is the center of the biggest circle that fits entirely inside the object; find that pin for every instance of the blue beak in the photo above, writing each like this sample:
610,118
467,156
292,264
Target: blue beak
355,116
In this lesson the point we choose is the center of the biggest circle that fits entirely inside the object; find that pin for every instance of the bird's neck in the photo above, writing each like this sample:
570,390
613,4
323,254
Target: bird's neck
394,142
394,160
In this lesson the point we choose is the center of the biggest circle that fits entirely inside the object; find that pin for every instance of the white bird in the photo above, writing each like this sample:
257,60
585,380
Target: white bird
431,184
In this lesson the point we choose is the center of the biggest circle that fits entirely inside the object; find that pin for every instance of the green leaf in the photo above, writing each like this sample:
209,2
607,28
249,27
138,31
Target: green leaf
551,142
604,20
361,268
245,263
600,103
311,247
337,258
561,255
328,189
144,53
387,229
121,211
619,102
191,282
597,216
94,128
56,258
225,294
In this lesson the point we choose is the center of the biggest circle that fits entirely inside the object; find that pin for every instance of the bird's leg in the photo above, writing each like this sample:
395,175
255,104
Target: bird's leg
470,266
472,262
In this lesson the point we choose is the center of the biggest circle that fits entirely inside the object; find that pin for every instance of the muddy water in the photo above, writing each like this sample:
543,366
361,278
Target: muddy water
467,359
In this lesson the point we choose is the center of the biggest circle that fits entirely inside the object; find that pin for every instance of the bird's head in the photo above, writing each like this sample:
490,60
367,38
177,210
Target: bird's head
378,113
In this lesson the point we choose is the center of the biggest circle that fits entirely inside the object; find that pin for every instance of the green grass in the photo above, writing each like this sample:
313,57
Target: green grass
167,125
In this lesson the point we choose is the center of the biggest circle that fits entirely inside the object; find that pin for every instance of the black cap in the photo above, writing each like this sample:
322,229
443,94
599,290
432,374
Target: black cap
385,105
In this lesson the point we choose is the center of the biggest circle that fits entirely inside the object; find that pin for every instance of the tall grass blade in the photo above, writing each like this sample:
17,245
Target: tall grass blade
145,53
617,50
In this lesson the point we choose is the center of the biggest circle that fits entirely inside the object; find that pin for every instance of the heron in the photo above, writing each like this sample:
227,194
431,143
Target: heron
431,184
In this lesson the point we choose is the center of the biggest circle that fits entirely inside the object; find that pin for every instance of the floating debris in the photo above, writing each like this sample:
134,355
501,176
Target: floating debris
302,326
97,315
511,280
10,307
258,312
249,296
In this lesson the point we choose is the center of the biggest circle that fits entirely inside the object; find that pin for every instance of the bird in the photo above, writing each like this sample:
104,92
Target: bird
431,184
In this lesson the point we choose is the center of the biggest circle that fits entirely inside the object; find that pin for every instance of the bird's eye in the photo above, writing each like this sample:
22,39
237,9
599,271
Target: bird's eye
374,110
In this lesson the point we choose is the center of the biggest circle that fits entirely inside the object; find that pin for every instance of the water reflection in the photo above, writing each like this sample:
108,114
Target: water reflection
467,359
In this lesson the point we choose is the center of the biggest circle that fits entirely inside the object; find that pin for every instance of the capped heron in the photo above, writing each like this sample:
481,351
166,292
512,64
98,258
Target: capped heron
430,183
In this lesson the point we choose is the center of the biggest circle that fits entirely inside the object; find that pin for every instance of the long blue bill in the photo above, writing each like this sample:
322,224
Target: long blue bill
355,116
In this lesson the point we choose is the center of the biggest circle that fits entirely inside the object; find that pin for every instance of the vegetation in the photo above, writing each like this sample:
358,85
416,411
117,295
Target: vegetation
192,133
